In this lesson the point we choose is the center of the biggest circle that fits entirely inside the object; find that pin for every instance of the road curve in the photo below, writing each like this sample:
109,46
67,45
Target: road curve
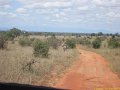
89,72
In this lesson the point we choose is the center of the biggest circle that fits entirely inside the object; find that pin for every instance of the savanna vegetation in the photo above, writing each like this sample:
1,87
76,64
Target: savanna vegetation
108,46
33,60
41,57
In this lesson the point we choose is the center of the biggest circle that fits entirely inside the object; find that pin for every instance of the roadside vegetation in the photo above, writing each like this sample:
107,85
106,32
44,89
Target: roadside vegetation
29,60
70,43
108,47
54,42
113,43
41,48
3,42
40,58
25,41
96,43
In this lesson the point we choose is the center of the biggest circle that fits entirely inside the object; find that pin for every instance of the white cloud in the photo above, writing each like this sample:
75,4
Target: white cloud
66,10
5,4
57,20
28,2
98,2
57,15
86,8
3,13
83,8
24,14
113,15
21,10
57,4
12,15
60,15
8,14
49,5
105,2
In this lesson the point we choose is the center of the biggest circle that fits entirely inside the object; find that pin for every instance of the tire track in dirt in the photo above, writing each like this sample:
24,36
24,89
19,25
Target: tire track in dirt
89,72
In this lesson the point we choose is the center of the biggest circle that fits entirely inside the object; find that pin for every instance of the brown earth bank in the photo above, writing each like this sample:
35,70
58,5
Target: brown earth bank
89,72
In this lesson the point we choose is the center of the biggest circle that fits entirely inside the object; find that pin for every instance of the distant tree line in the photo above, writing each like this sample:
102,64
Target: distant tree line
9,35
15,32
73,34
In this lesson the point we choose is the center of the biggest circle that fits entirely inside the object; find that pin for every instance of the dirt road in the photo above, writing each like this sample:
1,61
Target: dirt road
89,72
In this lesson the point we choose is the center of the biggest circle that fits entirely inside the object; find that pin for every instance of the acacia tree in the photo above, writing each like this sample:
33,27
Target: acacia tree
100,34
96,43
70,43
40,48
14,32
113,43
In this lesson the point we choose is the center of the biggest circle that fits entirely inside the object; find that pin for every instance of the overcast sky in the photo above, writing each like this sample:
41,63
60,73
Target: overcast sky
61,15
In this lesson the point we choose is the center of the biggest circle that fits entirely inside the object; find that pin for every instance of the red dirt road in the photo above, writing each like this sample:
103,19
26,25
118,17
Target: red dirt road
90,72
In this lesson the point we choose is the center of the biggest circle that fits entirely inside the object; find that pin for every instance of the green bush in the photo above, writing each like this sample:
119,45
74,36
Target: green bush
2,41
13,33
24,41
113,43
32,39
54,42
70,43
40,48
85,42
96,43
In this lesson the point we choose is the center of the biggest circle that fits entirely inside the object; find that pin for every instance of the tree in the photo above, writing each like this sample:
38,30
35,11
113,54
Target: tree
116,34
70,43
40,48
93,34
13,33
96,43
113,43
100,34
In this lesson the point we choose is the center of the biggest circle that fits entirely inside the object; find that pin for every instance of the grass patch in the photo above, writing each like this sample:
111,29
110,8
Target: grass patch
12,61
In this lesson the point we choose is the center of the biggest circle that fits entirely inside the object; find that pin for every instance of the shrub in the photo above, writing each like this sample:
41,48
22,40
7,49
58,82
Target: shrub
54,42
28,66
113,43
96,43
24,41
2,41
70,43
13,33
85,42
32,39
40,48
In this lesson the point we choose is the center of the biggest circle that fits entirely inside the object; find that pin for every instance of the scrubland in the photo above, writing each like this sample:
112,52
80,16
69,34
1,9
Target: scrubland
44,71
18,63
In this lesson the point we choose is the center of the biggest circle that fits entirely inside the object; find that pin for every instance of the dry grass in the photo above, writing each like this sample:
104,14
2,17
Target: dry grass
44,38
38,37
13,59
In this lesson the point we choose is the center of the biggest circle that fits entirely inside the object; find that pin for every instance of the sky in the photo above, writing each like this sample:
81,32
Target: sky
61,15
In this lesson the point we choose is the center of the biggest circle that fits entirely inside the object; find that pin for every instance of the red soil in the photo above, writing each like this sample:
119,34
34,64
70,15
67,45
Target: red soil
89,72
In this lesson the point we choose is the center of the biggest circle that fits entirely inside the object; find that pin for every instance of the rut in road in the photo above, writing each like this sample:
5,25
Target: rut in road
89,72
